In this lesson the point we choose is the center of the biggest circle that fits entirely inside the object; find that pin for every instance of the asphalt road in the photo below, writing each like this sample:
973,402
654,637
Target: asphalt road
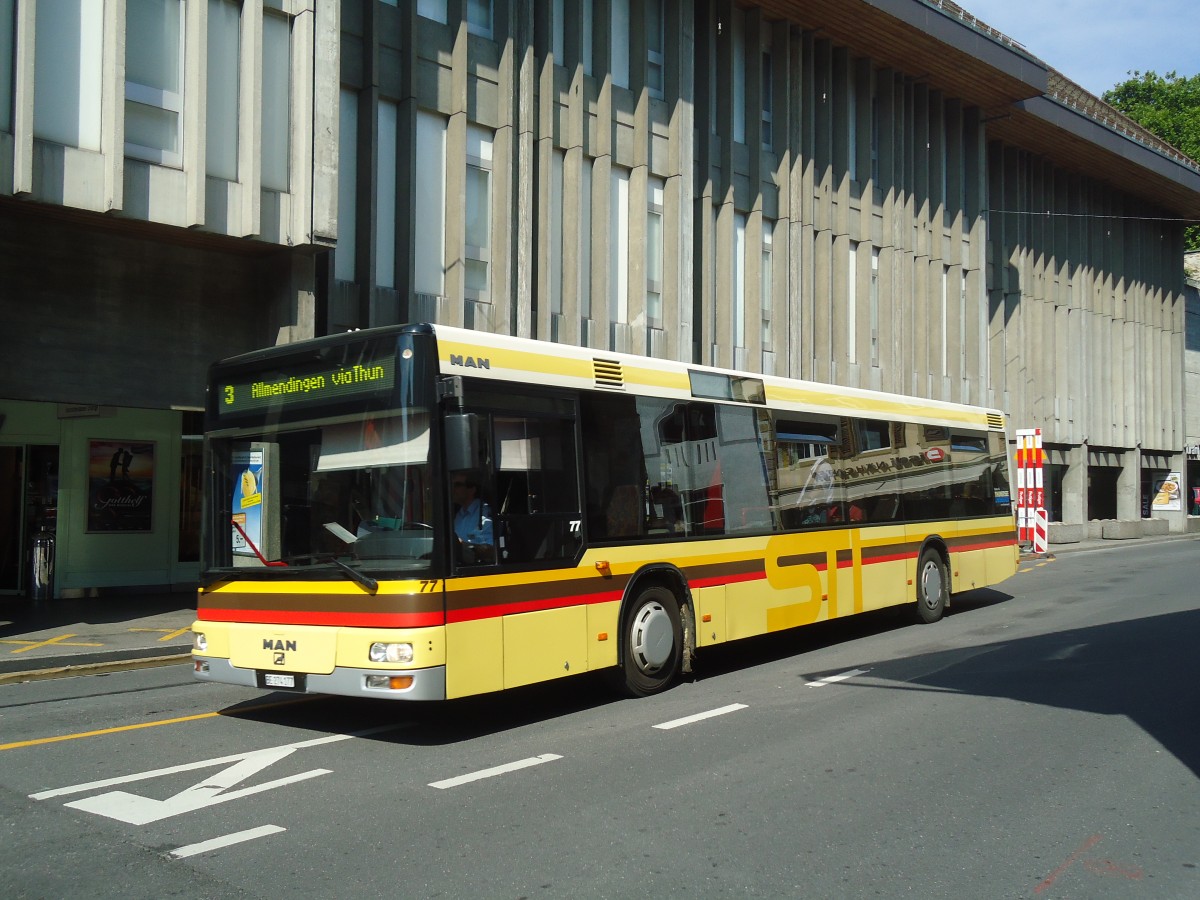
1042,741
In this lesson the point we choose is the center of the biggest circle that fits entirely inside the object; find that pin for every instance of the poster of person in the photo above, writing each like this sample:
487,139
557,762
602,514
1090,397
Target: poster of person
247,531
1168,495
120,485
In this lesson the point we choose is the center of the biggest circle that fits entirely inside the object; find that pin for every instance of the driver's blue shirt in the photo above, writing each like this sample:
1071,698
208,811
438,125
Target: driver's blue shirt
473,523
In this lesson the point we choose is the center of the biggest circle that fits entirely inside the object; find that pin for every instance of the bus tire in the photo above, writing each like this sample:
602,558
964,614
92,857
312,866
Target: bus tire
933,587
652,642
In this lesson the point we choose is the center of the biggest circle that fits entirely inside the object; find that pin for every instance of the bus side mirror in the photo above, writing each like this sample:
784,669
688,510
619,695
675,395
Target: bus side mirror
462,442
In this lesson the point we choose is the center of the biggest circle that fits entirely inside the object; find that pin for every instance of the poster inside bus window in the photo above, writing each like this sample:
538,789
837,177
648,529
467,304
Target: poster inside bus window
247,501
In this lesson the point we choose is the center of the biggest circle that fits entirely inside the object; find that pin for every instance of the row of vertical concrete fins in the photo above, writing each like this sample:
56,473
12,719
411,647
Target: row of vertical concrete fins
909,251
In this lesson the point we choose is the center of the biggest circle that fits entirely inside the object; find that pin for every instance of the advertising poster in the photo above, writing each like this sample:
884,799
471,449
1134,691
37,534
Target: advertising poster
247,501
1168,495
120,485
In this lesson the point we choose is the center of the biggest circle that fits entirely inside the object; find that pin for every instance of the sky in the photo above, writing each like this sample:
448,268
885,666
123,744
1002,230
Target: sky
1096,42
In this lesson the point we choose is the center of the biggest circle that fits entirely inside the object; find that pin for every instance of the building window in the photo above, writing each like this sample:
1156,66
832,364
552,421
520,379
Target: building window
556,235
739,281
7,26
154,80
655,49
852,128
588,50
478,234
852,304
618,309
619,45
738,44
432,9
768,88
654,253
66,102
585,239
767,277
385,196
875,138
874,301
429,240
221,114
479,17
558,32
347,226
945,311
276,102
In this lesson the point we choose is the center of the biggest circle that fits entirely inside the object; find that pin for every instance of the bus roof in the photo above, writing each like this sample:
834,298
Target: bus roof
466,352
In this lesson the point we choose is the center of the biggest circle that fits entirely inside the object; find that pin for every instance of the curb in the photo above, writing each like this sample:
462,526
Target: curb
90,664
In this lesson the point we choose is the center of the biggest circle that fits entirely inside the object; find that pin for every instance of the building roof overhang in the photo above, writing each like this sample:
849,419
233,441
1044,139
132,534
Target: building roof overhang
945,47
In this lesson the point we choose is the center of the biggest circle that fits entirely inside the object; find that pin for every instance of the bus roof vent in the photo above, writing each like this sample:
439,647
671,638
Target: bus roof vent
995,422
608,374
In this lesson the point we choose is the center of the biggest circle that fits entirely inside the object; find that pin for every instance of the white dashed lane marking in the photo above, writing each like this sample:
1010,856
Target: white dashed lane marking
699,717
494,771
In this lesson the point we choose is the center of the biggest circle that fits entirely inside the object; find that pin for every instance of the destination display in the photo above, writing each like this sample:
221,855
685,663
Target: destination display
305,385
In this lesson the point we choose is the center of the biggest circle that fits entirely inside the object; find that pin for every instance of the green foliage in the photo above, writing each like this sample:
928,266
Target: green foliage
1169,107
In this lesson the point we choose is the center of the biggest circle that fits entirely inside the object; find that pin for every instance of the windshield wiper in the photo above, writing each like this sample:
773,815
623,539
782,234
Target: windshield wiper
365,580
359,577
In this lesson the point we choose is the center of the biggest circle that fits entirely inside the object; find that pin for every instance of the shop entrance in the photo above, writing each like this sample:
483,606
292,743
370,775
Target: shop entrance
28,505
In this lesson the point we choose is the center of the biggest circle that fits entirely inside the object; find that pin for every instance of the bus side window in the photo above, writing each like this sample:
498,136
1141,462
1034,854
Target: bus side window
614,466
537,510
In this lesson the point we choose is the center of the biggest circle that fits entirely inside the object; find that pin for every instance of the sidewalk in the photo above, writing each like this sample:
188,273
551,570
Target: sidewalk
92,635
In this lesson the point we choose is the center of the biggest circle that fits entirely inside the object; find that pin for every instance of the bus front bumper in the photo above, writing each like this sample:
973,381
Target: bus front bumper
385,684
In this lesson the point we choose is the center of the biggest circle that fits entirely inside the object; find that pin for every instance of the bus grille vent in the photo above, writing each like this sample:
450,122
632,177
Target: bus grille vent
608,374
995,422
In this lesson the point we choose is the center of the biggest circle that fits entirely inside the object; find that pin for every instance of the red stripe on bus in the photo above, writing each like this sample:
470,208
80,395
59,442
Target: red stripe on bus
293,617
475,613
982,545
890,557
717,580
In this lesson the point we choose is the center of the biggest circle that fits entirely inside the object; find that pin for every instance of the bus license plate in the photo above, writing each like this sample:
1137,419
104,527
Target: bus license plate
282,681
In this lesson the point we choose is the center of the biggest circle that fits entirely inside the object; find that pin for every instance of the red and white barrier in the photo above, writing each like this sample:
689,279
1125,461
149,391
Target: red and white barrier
1031,495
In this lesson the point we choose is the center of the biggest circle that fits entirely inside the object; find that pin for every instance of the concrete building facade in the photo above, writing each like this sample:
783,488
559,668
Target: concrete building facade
874,193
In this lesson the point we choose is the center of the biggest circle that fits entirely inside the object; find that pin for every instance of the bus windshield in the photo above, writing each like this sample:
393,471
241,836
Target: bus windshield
355,490
319,465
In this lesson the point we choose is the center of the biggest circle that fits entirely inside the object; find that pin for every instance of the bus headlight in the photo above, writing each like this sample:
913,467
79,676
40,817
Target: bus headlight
199,642
391,653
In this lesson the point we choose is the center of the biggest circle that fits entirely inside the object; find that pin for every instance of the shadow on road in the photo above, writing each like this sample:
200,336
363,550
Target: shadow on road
1145,669
462,720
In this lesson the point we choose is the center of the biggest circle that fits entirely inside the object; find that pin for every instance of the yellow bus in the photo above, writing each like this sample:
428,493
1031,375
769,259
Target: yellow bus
421,512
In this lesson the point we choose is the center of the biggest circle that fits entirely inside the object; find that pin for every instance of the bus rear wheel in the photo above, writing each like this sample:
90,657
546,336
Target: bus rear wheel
933,587
652,642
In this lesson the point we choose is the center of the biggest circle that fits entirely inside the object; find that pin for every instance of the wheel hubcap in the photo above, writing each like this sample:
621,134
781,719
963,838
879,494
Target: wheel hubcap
651,639
931,578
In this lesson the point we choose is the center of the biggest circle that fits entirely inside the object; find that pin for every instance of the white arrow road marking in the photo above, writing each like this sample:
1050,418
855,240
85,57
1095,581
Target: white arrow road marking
833,679
494,771
238,837
699,717
138,810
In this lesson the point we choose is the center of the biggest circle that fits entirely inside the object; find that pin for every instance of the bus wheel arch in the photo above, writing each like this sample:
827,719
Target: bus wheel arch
656,634
932,582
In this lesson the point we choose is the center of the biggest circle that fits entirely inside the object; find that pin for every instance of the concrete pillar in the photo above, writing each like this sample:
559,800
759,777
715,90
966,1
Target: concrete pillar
1074,487
1129,487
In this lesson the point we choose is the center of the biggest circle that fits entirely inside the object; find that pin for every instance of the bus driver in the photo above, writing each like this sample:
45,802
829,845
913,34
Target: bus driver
472,519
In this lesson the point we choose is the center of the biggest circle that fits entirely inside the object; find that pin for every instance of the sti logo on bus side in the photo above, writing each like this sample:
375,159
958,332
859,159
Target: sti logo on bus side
470,362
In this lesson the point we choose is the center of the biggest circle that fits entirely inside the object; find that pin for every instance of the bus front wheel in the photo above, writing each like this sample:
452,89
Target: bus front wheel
653,642
933,587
